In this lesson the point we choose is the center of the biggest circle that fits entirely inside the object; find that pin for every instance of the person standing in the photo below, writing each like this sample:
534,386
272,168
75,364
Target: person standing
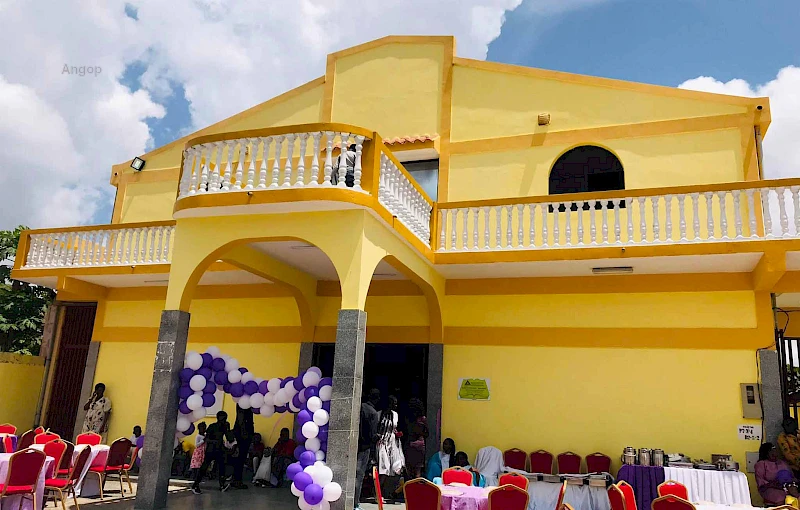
367,438
243,431
199,454
418,435
391,460
98,410
216,434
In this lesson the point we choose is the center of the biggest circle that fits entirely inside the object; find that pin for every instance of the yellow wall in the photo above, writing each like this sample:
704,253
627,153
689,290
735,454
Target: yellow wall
393,89
22,383
489,104
148,201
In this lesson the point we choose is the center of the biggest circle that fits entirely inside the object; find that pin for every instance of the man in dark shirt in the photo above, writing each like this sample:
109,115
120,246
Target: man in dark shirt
243,432
215,451
367,438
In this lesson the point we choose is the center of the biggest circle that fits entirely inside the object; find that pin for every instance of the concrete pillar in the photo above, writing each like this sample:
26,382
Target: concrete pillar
304,363
434,398
348,373
162,411
771,397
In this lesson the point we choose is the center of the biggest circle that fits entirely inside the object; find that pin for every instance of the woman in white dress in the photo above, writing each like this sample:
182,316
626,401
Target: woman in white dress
391,461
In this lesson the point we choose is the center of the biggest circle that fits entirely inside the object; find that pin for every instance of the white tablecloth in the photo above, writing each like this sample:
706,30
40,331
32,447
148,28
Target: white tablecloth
720,487
90,485
724,507
544,496
12,502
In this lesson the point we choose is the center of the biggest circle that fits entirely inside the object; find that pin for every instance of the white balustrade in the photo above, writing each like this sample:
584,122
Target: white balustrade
698,217
101,247
402,199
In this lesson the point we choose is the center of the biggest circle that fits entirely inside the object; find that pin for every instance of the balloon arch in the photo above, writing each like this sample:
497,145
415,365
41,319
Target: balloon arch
308,395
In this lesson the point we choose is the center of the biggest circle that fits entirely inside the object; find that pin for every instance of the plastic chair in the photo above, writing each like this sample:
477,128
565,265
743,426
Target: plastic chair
568,463
127,467
24,468
515,458
616,497
90,438
598,463
45,437
542,462
561,492
62,485
376,479
456,475
671,503
508,497
630,496
7,428
26,439
673,488
55,449
420,494
66,460
514,479
115,463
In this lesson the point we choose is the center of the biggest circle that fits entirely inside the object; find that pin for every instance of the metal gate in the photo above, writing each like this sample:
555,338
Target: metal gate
789,362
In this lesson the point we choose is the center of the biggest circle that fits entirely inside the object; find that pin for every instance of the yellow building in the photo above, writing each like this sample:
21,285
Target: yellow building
602,252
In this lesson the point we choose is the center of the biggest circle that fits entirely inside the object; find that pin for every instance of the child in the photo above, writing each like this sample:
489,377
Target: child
199,447
137,432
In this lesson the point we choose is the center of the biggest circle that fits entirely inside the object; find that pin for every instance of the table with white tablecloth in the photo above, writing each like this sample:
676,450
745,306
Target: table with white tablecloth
12,502
90,485
544,494
719,487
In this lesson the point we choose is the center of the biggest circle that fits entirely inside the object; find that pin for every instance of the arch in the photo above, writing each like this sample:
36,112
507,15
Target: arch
584,169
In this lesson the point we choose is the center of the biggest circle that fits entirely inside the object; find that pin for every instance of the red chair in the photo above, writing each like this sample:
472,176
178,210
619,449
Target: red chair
456,475
8,444
7,428
671,503
616,498
561,492
598,463
39,430
376,479
62,485
115,463
542,462
127,467
420,494
630,496
514,479
568,463
45,437
515,458
66,460
24,468
55,449
508,497
90,438
673,488
26,439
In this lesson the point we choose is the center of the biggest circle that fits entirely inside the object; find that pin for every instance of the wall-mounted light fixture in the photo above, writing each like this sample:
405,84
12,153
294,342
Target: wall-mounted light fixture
137,164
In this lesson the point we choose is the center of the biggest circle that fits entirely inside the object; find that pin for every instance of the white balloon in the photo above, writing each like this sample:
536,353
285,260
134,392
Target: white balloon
314,404
310,429
214,351
256,400
281,397
244,402
311,379
197,382
226,357
331,492
325,393
269,399
302,505
195,402
293,407
324,505
259,380
234,376
320,455
316,370
182,424
198,414
290,390
247,376
297,492
231,364
274,385
194,361
303,397
323,476
319,463
321,417
235,399
267,411
313,444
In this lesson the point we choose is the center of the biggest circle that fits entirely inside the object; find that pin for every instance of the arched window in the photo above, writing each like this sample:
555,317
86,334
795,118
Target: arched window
585,169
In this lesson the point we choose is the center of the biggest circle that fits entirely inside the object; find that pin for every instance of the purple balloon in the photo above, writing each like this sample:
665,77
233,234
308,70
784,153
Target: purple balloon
256,410
237,389
286,381
327,405
185,391
186,374
262,388
312,494
296,401
307,458
242,370
207,359
322,435
221,378
293,469
251,387
298,435
183,408
205,372
209,399
302,480
325,381
304,416
227,387
299,451
298,382
281,409
323,445
311,392
211,387
218,364
189,431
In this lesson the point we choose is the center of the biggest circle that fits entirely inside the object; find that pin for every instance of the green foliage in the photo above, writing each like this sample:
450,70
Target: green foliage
22,306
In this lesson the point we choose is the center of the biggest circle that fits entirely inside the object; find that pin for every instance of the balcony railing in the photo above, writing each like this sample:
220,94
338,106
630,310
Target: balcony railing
109,245
691,214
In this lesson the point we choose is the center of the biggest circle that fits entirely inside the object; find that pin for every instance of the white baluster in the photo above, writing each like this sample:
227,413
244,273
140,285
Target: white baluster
442,229
580,222
329,158
556,224
723,215
316,135
70,249
696,214
186,176
287,170
486,228
544,208
204,168
475,212
357,169
737,212
196,171
508,225
138,236
617,228
796,211
604,217
240,167
158,241
251,167
784,218
262,171
166,253
642,221
710,215
48,251
532,232
592,222
301,162
568,229
453,224
465,218
33,241
498,227
345,142
682,211
98,243
214,184
520,239
151,237
668,216
629,214
751,212
656,220
226,178
111,257
767,213
276,167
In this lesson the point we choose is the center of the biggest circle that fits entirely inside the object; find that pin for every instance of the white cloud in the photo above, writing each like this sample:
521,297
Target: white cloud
781,149
61,132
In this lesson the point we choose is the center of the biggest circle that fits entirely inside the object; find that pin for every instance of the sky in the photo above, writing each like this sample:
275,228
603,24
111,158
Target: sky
119,78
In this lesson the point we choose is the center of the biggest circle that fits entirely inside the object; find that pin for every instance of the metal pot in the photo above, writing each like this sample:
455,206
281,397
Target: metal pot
658,457
644,457
628,456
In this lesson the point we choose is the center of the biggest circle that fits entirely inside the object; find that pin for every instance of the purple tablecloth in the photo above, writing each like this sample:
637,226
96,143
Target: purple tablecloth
12,438
464,498
644,480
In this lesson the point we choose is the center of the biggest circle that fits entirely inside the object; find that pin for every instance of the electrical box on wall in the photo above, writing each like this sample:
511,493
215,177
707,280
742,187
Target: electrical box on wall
751,401
752,458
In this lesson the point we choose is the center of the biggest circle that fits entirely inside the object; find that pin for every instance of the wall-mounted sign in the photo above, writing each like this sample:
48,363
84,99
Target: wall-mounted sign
749,432
473,389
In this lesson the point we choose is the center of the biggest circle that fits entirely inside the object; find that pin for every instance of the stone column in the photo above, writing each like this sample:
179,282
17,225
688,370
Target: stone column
348,372
771,397
434,398
162,411
306,358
